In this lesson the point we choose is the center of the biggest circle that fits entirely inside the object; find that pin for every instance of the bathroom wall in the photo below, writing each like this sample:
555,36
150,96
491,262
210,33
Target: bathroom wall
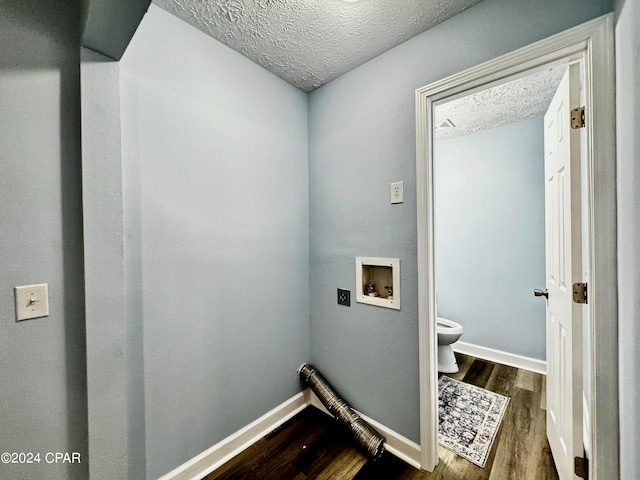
490,236
628,173
215,191
362,138
42,361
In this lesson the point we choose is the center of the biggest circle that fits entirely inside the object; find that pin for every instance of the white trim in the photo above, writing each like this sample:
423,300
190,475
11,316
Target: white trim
396,444
223,451
212,458
498,356
586,426
594,41
603,261
427,344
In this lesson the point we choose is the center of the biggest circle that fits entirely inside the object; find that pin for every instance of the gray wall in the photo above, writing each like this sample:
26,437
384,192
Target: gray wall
361,138
108,369
628,155
42,373
216,235
108,25
490,236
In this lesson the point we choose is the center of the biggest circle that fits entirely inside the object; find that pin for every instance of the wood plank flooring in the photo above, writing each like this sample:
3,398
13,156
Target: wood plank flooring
313,446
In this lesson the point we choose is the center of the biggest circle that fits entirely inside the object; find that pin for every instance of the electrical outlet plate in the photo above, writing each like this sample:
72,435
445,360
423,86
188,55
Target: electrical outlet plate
32,301
397,194
344,297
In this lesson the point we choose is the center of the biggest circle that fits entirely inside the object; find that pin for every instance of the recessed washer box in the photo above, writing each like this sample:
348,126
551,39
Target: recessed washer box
378,281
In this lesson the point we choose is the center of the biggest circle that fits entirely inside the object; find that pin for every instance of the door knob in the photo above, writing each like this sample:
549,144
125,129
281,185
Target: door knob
541,293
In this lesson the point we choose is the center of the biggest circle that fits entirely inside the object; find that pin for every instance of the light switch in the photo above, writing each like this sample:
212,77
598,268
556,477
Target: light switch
32,301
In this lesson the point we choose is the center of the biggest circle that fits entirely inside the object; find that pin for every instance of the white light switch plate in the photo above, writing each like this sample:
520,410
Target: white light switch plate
32,301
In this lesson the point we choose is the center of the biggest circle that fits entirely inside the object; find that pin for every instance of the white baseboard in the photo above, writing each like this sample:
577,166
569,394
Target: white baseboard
511,359
212,458
396,444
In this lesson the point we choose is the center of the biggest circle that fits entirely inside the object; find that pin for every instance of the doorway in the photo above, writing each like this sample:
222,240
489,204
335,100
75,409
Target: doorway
490,217
494,195
592,43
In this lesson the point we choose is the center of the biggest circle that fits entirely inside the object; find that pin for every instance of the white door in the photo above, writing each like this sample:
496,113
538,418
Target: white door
563,267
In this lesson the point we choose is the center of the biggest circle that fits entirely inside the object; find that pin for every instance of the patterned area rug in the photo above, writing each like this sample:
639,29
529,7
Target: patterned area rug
469,418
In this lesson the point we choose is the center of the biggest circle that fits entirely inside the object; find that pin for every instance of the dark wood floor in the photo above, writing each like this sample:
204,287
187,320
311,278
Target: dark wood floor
314,446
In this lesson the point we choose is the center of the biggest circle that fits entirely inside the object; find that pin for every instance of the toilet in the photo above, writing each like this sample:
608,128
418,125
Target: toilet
448,332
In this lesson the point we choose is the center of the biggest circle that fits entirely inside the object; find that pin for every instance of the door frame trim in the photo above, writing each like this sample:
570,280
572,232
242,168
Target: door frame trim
592,41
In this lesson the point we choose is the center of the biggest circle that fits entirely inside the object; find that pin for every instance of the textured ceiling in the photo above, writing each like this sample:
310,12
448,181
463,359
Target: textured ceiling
521,99
310,42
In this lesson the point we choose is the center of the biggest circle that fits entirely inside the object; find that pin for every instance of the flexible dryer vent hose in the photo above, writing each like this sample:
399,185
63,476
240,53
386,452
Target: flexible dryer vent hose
364,433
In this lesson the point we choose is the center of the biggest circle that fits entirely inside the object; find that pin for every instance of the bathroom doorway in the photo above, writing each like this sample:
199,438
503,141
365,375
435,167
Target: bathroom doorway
495,192
592,44
490,215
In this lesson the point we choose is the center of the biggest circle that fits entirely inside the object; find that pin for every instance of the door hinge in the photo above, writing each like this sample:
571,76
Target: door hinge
580,292
577,117
582,467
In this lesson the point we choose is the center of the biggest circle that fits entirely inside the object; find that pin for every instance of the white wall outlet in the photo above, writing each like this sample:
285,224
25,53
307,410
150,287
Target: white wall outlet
32,301
397,195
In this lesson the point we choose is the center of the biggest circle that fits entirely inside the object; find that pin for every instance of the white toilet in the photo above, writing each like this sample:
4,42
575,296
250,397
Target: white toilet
448,332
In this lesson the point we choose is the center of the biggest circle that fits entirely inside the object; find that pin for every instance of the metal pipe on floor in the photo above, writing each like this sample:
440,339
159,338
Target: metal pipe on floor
364,433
